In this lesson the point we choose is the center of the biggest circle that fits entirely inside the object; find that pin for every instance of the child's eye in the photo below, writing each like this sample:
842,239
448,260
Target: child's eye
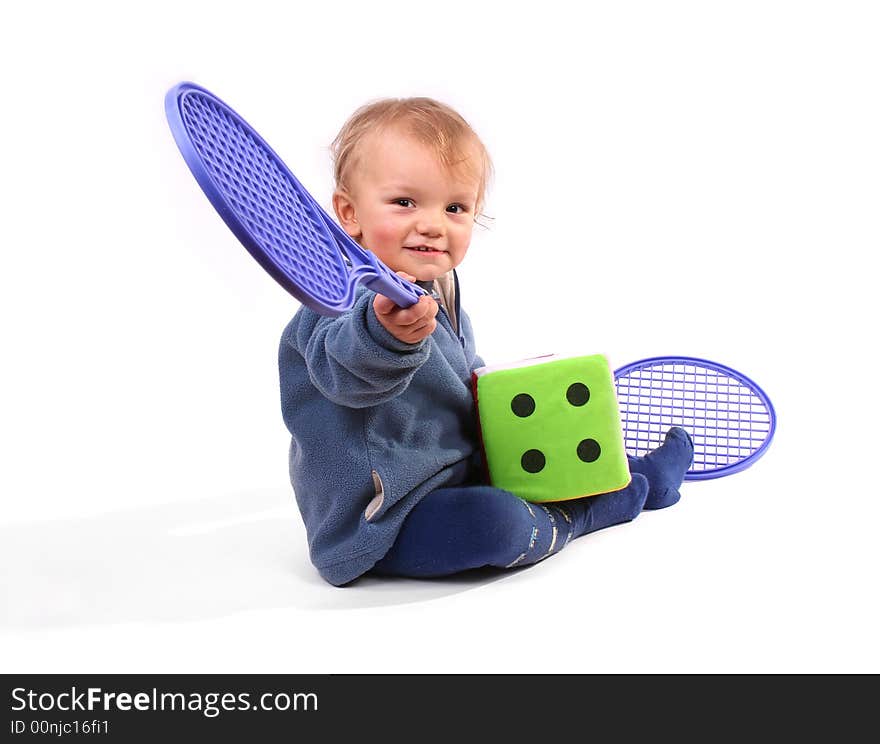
404,202
456,208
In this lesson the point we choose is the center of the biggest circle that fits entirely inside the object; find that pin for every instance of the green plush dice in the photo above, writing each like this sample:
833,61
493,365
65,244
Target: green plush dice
551,428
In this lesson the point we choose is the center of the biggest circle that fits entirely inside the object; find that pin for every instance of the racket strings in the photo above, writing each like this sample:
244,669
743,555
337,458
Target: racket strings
726,419
265,199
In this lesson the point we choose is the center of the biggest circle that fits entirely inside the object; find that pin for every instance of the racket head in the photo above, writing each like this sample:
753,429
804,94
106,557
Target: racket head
262,202
730,419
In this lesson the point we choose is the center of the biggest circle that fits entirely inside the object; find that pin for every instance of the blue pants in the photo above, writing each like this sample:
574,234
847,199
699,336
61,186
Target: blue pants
455,529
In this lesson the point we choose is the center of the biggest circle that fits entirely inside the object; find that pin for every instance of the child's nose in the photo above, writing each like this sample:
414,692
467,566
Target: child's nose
430,224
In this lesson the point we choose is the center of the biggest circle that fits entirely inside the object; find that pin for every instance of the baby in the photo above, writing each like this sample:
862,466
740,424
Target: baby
384,456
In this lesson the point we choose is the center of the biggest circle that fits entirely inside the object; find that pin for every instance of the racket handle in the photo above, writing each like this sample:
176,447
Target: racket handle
374,274
401,292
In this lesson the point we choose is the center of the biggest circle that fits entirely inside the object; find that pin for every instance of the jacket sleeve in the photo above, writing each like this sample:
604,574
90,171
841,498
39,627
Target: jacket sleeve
351,359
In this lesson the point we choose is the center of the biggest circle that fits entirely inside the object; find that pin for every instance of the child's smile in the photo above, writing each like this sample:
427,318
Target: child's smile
425,252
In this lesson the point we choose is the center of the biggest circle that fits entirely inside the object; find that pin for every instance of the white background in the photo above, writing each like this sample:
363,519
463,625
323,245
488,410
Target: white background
692,178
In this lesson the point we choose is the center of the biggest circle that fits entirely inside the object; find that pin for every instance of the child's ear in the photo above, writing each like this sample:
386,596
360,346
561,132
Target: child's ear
345,213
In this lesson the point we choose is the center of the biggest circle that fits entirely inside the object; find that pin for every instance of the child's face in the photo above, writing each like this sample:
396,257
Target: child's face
415,214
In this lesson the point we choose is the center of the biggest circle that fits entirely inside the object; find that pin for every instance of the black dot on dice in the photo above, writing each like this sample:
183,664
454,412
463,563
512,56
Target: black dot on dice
523,405
533,461
589,450
578,394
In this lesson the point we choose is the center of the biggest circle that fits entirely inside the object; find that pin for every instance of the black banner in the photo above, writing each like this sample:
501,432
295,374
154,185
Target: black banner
151,708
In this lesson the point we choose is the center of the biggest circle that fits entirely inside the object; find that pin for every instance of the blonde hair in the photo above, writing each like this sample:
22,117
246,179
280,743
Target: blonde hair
430,122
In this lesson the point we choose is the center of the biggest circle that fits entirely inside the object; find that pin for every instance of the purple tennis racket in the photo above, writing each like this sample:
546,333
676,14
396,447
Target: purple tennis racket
270,212
730,419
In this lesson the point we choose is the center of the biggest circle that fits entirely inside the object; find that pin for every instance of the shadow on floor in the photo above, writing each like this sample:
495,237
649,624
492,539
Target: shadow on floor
182,562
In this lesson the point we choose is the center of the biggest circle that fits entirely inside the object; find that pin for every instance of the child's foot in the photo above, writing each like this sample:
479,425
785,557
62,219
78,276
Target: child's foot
665,467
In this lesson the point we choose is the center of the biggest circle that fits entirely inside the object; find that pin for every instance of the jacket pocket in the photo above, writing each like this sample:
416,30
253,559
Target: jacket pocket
377,500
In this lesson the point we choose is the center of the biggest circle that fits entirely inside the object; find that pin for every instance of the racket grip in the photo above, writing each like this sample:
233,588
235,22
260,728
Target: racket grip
396,289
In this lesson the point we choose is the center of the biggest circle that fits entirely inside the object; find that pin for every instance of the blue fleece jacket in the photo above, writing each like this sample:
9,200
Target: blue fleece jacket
376,425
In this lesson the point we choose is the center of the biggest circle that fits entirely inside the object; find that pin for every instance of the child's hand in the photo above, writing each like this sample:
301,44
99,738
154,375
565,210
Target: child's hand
407,324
